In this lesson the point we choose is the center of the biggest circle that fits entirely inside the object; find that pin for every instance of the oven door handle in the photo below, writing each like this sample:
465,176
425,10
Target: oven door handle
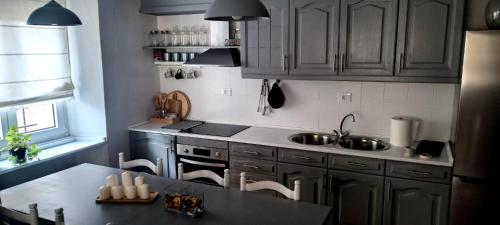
220,165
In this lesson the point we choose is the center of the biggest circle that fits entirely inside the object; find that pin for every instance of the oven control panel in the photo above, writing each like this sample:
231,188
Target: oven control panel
203,152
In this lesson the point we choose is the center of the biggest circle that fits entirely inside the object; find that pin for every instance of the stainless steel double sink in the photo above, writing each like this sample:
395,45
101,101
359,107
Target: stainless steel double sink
346,142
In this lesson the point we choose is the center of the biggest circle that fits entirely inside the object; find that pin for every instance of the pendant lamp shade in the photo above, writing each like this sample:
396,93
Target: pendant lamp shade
236,10
53,14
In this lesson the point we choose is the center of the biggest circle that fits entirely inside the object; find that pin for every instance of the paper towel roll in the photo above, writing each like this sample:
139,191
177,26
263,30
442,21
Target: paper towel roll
401,132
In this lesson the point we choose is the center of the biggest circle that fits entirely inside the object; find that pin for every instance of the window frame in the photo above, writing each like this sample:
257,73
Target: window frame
42,137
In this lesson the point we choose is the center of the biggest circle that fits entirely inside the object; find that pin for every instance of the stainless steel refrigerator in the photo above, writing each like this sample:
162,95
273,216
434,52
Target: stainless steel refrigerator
475,190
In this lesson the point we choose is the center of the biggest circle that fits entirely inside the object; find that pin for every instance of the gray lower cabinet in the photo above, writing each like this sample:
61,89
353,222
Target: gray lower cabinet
313,181
357,199
429,38
410,202
264,50
367,37
151,146
314,28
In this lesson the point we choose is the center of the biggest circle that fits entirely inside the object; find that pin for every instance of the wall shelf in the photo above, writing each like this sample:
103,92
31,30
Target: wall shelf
161,63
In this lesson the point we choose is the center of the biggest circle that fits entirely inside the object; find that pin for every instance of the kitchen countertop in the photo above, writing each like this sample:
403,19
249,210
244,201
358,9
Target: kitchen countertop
277,137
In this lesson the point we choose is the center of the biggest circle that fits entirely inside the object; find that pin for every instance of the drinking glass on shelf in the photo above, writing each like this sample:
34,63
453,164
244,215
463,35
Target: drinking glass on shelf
161,39
185,36
193,35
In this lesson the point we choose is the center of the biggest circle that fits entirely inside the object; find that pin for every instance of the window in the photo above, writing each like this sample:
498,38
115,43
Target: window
36,118
45,122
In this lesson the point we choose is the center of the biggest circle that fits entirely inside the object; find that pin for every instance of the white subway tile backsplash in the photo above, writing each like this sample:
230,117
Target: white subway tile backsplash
314,105
396,92
372,91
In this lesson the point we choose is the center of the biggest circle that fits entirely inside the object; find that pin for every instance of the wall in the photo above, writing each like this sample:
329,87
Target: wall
313,105
86,114
129,82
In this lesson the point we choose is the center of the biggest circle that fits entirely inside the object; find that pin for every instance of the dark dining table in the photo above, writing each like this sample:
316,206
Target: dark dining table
75,190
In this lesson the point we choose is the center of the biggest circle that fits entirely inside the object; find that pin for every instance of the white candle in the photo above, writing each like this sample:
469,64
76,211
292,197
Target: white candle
130,192
144,191
138,181
112,181
117,192
127,179
104,193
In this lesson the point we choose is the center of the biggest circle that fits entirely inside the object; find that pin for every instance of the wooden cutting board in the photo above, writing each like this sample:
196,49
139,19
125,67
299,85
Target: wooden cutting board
185,104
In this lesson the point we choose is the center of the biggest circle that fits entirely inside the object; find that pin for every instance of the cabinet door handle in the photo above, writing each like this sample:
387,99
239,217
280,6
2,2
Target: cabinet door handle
335,63
302,157
285,63
355,164
343,62
250,152
419,173
330,183
388,191
251,166
401,58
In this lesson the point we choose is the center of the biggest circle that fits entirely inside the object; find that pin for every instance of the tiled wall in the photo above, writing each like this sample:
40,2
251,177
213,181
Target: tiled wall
313,105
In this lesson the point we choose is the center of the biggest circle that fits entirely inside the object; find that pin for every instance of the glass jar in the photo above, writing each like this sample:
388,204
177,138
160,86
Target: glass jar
185,38
193,36
175,36
203,36
166,38
153,39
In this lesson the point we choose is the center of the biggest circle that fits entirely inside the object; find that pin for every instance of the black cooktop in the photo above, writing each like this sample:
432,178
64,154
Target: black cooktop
215,129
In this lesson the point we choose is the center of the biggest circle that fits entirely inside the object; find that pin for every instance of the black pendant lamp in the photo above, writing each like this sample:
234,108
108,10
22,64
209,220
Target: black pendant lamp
53,14
236,10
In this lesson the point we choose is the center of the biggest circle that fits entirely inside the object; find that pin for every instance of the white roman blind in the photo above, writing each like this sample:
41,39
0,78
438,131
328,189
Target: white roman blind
34,60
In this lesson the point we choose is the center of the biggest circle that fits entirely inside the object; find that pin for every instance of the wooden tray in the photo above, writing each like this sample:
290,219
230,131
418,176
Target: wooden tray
163,121
152,198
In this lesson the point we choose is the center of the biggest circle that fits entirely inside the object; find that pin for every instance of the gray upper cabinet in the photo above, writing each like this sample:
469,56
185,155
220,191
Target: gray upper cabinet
313,181
367,37
357,199
429,38
314,37
264,50
174,7
415,203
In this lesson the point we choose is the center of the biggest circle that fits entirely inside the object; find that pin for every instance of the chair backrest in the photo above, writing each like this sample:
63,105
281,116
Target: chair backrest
270,185
225,182
157,169
9,215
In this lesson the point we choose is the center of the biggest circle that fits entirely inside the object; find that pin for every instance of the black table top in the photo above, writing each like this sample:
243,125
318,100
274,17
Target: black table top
75,190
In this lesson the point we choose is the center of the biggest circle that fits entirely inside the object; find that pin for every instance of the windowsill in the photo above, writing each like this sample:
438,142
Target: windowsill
50,153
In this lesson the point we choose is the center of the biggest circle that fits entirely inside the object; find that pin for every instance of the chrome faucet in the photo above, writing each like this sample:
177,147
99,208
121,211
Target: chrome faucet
341,133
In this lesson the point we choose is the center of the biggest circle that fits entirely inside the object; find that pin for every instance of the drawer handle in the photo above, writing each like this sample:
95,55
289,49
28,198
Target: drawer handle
251,166
302,157
355,164
419,173
251,152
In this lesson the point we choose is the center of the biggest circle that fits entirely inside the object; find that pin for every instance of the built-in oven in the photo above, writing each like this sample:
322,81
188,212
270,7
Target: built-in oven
203,158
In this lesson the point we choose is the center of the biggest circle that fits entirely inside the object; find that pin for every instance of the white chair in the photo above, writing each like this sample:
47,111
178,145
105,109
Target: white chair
225,182
270,185
157,169
8,216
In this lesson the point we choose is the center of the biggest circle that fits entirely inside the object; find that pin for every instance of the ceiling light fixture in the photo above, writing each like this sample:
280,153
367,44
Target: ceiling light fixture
53,14
236,10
